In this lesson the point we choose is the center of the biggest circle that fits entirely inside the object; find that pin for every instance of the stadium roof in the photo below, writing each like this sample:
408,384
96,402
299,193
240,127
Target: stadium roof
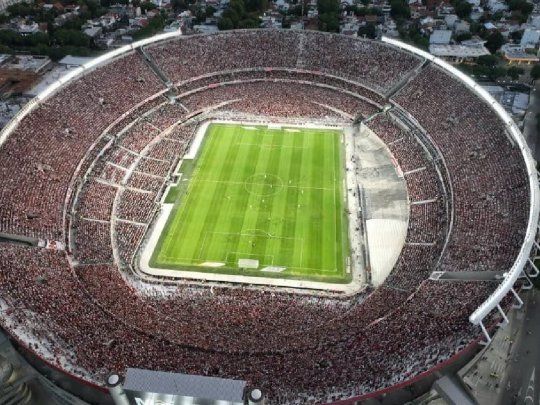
195,386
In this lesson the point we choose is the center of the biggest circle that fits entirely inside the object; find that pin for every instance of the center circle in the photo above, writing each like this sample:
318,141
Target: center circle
263,184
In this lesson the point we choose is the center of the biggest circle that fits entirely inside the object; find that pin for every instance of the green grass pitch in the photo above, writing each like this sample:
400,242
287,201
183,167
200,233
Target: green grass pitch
273,195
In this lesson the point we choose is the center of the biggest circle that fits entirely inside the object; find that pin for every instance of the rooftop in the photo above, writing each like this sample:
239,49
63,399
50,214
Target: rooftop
458,51
187,385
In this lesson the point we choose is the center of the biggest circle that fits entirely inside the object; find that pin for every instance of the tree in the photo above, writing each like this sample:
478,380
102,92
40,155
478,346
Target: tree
155,25
535,72
256,5
179,5
249,22
516,35
210,11
328,15
522,6
225,23
328,6
496,72
513,72
329,22
71,37
232,15
237,16
488,60
414,36
494,41
399,9
463,36
368,31
297,10
463,9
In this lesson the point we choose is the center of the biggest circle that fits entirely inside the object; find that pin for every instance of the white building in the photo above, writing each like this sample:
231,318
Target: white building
461,27
477,13
450,20
441,37
530,38
497,5
458,53
535,20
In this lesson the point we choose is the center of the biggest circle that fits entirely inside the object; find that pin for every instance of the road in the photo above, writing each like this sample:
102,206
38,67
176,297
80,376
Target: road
529,127
521,384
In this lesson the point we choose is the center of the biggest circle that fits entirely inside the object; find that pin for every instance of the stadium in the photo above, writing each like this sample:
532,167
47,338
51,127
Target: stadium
324,217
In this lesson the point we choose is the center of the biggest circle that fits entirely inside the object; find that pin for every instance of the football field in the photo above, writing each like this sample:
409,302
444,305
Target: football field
271,199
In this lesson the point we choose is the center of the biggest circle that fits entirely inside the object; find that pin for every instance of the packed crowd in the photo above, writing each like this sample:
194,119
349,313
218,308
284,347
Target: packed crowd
427,227
279,99
92,241
348,346
96,201
136,206
280,74
423,181
369,62
128,237
138,136
490,188
68,123
295,347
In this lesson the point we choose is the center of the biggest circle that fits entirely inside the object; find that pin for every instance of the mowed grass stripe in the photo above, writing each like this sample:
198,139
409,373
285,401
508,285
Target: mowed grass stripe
242,199
178,228
319,168
264,215
290,213
315,204
301,223
217,243
281,248
328,237
213,194
210,226
255,204
192,224
341,240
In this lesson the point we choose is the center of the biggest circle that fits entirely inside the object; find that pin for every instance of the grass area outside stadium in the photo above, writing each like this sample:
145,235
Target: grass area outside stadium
272,195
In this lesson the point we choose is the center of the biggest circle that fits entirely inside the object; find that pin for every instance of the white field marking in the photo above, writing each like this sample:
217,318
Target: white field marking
211,264
262,184
194,175
177,224
292,130
270,146
253,232
334,194
247,255
202,246
187,261
530,389
251,128
197,141
302,251
273,269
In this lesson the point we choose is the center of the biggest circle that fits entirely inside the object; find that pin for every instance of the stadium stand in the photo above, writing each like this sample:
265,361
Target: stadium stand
108,143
